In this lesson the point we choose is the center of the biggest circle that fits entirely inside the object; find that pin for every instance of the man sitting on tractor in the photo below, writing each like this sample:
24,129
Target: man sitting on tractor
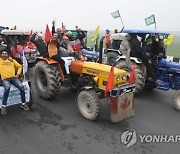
67,50
135,46
40,44
58,31
53,50
10,76
147,59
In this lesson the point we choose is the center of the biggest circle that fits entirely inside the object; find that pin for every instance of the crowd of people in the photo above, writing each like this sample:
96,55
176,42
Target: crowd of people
63,43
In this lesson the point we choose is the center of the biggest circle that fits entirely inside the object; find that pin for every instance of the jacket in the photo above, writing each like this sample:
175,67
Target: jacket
8,68
40,44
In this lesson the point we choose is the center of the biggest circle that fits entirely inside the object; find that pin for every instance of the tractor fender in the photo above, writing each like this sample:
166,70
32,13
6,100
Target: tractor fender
134,59
48,60
114,50
51,61
83,88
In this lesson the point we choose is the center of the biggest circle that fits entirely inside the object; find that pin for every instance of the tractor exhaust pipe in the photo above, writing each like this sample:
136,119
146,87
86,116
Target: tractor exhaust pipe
101,49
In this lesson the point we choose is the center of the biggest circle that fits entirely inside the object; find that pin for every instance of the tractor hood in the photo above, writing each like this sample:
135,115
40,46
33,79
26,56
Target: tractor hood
99,72
173,66
80,67
100,68
91,55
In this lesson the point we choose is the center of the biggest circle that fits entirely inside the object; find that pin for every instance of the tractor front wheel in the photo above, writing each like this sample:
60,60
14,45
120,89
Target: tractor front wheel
88,104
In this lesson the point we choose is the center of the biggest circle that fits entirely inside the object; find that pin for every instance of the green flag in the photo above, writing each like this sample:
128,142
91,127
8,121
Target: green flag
115,14
150,20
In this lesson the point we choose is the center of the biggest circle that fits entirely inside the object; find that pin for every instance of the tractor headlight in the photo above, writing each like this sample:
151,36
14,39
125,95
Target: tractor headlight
123,77
118,78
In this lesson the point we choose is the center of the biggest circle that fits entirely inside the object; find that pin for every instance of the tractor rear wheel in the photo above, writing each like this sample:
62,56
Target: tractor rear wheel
139,75
47,80
176,100
88,104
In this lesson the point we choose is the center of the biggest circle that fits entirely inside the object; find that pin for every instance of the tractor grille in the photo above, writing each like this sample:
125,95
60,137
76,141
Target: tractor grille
176,83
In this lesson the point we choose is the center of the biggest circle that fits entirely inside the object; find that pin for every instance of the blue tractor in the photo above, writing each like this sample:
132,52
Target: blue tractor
166,71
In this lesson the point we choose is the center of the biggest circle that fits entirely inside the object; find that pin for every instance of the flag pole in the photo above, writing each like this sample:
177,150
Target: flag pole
96,44
121,21
24,76
25,64
155,23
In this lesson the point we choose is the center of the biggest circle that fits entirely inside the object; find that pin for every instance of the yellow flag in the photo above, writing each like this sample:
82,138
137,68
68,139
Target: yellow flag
96,34
169,40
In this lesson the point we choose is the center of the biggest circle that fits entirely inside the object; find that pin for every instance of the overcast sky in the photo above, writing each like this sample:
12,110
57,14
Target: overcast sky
35,14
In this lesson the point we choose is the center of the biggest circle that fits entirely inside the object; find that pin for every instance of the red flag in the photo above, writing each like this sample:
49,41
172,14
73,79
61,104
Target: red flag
76,45
110,83
132,75
47,34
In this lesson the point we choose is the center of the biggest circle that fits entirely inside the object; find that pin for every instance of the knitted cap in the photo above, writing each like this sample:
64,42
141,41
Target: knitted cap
74,34
69,33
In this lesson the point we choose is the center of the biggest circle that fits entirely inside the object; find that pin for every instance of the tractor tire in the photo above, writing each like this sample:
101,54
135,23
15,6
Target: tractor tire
88,104
176,100
31,99
111,57
139,75
47,80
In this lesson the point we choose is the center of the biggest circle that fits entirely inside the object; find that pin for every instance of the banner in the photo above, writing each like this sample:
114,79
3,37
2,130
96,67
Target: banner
14,94
115,14
150,20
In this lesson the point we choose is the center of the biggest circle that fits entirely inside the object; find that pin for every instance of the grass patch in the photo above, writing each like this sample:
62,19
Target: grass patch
174,48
